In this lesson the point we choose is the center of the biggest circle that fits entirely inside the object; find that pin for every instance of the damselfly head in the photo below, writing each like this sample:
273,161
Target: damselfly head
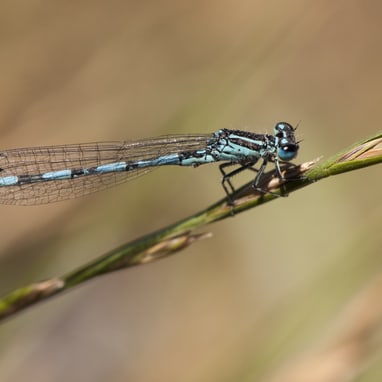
287,146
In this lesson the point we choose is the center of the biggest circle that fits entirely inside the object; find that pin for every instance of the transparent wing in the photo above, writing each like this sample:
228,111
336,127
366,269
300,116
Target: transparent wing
40,160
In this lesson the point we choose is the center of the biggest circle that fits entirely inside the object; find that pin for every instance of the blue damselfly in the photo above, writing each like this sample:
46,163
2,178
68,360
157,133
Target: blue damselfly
38,175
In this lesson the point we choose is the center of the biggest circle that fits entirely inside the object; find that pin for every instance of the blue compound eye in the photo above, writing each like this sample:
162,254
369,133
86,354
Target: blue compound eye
287,152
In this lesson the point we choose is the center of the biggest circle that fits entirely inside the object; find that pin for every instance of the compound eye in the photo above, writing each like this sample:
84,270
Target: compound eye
287,152
283,129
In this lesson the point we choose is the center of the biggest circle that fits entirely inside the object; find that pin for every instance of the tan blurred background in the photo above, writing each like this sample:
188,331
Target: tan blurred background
274,286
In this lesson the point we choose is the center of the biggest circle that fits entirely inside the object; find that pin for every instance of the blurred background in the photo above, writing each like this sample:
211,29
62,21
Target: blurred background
289,291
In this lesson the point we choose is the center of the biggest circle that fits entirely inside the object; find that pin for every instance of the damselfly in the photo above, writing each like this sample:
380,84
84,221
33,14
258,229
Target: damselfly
38,175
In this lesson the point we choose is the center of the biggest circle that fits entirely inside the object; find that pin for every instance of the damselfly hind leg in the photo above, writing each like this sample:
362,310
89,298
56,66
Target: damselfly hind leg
226,180
229,188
